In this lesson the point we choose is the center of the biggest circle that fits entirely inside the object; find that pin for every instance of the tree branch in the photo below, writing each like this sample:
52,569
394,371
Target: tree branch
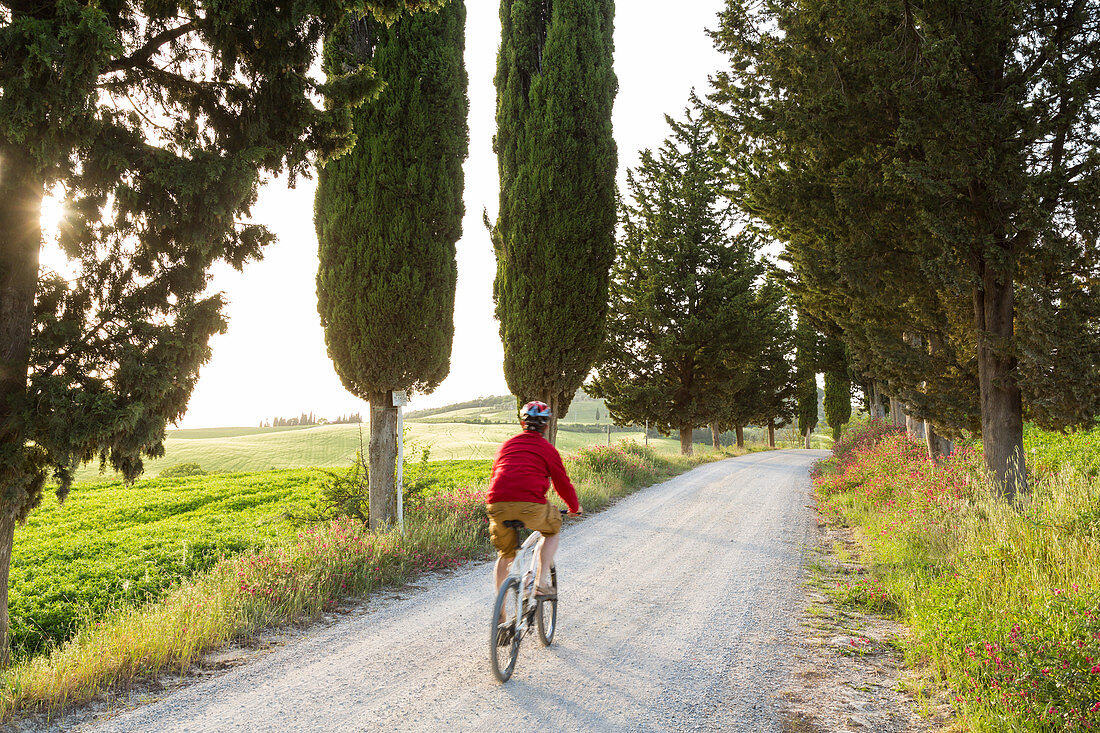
154,44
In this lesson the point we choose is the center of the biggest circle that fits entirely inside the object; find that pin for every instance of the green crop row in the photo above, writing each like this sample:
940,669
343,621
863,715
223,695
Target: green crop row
112,546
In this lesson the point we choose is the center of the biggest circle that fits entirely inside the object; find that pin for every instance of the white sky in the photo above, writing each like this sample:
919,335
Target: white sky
272,361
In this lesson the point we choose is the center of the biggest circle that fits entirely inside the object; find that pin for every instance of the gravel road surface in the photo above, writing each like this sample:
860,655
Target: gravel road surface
676,607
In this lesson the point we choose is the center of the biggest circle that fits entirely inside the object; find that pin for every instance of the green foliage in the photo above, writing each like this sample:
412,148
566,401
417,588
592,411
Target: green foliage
766,395
932,169
554,238
806,360
115,545
838,400
684,322
1001,599
1051,452
182,469
389,212
344,494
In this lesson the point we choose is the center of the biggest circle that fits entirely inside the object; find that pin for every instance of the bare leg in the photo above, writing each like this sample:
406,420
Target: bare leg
500,572
549,547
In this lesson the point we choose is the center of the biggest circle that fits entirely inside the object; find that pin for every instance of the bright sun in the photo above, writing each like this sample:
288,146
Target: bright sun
53,210
51,256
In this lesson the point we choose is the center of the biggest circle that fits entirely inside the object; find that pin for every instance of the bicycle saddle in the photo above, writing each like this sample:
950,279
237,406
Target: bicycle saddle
514,523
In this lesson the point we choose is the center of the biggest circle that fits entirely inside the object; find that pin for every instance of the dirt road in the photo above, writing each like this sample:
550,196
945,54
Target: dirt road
675,611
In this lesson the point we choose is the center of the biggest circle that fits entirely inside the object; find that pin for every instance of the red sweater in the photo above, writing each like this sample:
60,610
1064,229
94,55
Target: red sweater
523,469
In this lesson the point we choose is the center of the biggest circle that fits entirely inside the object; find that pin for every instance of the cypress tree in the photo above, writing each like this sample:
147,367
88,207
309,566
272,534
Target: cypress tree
682,329
806,357
388,215
838,400
554,237
838,384
945,153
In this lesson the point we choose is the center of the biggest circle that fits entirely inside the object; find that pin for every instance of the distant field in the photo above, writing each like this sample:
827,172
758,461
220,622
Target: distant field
586,412
203,433
327,446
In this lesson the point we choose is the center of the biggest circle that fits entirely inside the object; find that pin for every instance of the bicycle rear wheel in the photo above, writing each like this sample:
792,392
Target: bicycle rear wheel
504,639
548,612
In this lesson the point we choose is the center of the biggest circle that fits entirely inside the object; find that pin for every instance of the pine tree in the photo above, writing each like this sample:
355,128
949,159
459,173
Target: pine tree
946,159
554,237
388,215
681,326
762,395
156,122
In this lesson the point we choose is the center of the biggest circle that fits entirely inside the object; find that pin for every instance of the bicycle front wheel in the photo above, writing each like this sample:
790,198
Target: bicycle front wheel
504,640
548,612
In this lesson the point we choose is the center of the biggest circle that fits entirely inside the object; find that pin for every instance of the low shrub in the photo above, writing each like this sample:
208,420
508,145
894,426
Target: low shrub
182,469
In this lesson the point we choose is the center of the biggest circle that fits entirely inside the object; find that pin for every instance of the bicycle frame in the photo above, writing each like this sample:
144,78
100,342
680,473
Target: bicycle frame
525,571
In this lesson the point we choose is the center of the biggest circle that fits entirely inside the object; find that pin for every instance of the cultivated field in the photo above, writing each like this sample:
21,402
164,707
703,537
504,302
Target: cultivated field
262,449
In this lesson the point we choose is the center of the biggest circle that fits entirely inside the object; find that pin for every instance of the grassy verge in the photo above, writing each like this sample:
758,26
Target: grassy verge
292,580
1002,600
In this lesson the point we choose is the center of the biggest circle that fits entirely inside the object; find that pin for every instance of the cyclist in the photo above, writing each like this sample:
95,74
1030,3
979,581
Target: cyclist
523,470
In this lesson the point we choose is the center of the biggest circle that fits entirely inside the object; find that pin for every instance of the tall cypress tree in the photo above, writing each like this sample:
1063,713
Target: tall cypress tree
388,215
554,238
806,358
838,384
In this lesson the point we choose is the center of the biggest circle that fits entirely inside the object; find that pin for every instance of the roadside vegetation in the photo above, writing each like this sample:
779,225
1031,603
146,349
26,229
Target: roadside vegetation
219,558
1002,599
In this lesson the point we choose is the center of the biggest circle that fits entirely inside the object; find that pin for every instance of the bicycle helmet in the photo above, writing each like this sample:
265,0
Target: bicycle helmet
535,416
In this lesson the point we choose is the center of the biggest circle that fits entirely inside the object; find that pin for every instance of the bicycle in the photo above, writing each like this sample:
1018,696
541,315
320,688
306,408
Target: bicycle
521,609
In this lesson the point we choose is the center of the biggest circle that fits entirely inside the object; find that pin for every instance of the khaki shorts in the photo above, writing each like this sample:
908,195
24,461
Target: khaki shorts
544,518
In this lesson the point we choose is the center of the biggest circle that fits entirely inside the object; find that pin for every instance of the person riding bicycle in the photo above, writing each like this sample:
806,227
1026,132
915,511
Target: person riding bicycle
523,470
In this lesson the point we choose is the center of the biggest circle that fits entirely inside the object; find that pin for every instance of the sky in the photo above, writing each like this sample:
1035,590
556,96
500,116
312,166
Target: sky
272,360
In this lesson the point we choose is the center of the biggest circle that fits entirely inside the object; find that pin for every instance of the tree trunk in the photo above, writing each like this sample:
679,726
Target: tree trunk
740,436
21,194
551,433
20,240
897,413
383,461
877,409
7,541
937,444
1002,405
685,442
771,433
715,440
914,427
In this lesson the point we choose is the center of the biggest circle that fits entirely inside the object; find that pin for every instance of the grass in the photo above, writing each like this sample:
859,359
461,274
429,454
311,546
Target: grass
286,576
1002,599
